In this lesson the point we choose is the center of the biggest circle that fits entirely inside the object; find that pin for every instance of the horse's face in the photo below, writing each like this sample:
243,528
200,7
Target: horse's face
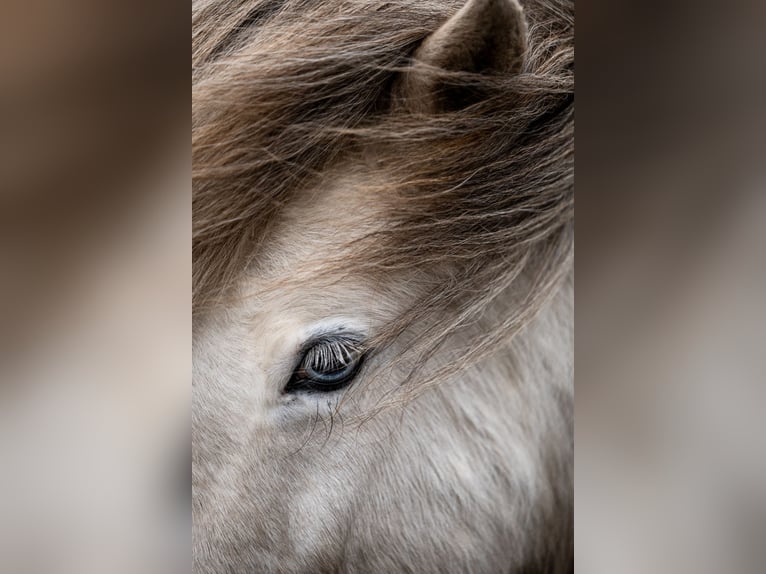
297,469
279,466
309,452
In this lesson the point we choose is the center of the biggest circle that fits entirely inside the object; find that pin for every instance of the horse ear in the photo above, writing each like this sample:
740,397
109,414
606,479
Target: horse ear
483,37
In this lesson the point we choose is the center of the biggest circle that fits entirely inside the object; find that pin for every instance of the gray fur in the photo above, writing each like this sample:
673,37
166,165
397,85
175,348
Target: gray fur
433,216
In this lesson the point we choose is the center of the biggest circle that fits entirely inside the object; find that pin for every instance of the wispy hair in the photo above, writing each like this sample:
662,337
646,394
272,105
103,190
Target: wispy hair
478,198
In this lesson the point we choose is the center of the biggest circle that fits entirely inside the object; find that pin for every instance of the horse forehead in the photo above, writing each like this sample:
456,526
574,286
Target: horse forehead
340,203
274,307
323,223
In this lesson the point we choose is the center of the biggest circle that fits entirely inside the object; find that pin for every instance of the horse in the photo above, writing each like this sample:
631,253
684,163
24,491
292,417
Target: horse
383,238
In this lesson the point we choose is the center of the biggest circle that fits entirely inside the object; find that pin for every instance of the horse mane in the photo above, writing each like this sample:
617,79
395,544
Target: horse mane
480,196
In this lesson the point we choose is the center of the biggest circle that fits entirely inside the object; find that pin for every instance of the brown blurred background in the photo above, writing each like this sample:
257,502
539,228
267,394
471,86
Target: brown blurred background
95,325
670,285
95,267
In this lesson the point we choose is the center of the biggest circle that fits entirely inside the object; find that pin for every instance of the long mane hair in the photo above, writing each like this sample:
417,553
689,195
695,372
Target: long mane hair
479,196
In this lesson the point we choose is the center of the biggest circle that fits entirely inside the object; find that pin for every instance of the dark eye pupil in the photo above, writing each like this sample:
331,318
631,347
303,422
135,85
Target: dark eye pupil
328,365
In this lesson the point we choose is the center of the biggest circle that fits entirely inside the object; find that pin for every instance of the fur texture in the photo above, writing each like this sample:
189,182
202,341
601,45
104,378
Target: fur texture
435,218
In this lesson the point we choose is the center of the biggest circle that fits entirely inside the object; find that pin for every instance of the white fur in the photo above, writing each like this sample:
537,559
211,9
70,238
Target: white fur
457,480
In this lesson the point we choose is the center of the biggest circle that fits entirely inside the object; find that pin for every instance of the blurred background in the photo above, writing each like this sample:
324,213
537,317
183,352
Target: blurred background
670,287
95,266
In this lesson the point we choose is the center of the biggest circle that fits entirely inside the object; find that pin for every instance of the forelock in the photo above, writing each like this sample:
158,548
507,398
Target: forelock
480,195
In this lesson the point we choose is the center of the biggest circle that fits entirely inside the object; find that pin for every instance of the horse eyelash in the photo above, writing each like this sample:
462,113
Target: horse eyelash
326,353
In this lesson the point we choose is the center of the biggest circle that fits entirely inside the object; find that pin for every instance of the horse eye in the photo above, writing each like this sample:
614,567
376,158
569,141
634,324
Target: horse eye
328,365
